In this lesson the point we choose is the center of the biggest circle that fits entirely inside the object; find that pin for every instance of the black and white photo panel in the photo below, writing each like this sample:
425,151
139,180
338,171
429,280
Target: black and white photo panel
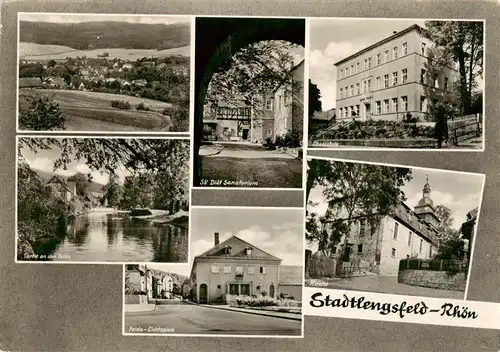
249,102
396,84
102,200
103,73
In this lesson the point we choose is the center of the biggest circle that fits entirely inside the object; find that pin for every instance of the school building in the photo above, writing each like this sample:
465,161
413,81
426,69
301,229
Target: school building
392,79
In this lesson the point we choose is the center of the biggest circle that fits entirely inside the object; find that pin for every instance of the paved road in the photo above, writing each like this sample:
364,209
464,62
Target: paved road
184,318
388,284
241,150
253,165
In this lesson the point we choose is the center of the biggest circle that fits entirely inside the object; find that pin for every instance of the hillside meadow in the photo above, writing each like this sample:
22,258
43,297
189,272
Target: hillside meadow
92,111
46,52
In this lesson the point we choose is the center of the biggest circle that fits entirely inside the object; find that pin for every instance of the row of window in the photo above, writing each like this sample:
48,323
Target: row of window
391,105
423,80
367,84
238,269
395,237
353,69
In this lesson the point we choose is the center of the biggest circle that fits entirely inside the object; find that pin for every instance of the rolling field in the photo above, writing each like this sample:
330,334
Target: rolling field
45,52
92,111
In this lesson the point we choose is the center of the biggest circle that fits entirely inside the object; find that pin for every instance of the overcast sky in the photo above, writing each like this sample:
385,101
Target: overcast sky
332,40
460,192
73,18
44,160
276,231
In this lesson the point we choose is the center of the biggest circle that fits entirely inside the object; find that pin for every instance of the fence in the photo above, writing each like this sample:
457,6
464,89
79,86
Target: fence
433,265
463,128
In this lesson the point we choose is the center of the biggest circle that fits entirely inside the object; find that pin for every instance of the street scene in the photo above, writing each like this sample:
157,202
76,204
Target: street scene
390,229
102,200
249,111
391,83
94,72
245,278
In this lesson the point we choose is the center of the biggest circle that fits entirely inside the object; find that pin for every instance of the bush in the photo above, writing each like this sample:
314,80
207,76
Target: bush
40,213
267,302
380,129
142,106
120,104
292,139
43,114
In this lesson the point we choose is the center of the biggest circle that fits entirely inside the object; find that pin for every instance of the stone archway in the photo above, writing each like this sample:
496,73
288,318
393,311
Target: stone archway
217,39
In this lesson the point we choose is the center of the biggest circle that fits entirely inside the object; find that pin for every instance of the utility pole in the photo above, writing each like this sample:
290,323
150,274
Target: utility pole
146,282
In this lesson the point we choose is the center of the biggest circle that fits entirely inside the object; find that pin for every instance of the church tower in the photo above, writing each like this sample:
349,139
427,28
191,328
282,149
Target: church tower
425,207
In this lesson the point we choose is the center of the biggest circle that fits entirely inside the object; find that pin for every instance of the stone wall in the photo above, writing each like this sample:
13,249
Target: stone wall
434,279
132,299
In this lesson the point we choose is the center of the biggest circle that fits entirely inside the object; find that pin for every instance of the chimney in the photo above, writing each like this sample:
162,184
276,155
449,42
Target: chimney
216,238
394,32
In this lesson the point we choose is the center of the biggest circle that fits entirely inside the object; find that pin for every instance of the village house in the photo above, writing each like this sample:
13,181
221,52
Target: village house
127,66
234,268
468,229
405,233
153,283
62,189
85,73
139,82
136,276
55,82
167,286
288,104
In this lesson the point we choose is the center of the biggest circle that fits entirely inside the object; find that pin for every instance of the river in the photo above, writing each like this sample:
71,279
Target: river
101,237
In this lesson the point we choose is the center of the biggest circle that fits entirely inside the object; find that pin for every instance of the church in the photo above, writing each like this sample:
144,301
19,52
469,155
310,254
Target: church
405,233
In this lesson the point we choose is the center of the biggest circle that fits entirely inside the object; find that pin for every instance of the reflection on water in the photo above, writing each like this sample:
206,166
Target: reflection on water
113,238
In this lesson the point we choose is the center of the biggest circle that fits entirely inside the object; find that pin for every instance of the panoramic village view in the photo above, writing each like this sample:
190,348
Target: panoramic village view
244,278
249,118
396,84
117,73
387,229
102,200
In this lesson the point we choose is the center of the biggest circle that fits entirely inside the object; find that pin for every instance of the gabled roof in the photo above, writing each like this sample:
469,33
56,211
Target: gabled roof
415,27
57,179
238,247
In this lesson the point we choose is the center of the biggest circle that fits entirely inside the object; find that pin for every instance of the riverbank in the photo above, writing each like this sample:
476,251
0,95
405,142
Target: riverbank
181,219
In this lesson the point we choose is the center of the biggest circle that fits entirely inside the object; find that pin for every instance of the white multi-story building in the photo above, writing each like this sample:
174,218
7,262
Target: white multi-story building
392,78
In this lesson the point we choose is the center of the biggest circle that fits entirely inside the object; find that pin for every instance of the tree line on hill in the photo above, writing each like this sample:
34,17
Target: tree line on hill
96,35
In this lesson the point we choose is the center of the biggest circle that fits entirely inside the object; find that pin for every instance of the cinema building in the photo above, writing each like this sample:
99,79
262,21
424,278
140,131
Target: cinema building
405,233
234,268
392,79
